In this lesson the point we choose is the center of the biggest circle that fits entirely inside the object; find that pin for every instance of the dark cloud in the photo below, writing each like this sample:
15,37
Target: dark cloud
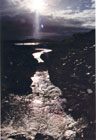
22,27
61,18
15,28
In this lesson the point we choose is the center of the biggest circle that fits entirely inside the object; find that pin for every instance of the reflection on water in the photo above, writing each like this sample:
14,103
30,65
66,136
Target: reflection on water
38,54
42,111
27,44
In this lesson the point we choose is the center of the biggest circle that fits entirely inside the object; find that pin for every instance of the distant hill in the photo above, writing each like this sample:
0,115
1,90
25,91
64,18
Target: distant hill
80,39
86,36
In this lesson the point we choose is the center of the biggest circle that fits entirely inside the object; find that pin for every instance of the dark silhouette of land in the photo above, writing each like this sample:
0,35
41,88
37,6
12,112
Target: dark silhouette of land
71,66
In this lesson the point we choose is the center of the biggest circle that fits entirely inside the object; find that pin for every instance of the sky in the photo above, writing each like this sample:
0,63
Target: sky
51,19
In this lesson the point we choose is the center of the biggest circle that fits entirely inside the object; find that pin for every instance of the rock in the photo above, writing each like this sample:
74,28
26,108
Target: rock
71,78
89,91
43,137
18,137
69,134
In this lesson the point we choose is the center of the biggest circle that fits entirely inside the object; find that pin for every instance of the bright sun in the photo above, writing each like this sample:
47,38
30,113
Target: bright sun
37,5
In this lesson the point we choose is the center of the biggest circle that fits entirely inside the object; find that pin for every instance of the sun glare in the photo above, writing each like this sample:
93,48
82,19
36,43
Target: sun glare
37,5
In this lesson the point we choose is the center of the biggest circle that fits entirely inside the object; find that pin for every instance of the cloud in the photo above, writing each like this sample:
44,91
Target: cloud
93,4
51,5
59,17
85,17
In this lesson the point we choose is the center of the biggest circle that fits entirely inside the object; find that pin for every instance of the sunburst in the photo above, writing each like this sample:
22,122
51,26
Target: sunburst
36,5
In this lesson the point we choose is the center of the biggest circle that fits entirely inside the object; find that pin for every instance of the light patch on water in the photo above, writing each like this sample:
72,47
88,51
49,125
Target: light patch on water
43,85
70,133
38,54
37,102
27,44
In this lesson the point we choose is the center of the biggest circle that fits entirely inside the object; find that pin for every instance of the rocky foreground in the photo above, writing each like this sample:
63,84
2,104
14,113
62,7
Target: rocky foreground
61,105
